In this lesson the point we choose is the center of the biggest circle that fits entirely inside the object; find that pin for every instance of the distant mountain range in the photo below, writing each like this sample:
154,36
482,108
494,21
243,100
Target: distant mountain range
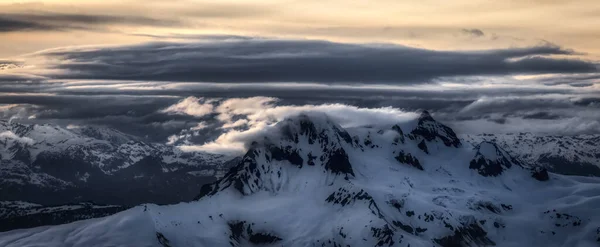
314,183
49,165
569,155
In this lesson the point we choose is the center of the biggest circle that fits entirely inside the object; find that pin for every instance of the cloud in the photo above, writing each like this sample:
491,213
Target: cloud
228,10
258,114
13,136
577,80
200,126
204,37
486,115
566,126
17,111
6,107
499,120
537,107
190,106
139,110
73,126
231,108
7,64
224,124
305,61
48,21
76,19
588,101
262,110
233,142
153,90
541,115
511,104
12,25
473,32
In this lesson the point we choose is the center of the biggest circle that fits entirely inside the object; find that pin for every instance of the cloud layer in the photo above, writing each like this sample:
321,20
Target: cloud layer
216,92
201,112
275,60
242,120
245,119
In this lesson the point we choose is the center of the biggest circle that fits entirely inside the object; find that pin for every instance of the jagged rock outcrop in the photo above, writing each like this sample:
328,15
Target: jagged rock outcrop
490,160
267,165
408,159
430,130
540,174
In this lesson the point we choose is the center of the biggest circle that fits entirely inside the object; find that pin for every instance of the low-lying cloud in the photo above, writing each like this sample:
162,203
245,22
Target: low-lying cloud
190,106
12,136
245,119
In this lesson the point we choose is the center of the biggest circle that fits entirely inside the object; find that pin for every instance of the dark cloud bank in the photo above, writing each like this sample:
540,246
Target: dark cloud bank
302,72
267,60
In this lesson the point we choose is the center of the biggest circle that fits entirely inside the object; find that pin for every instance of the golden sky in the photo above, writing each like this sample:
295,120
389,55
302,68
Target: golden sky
28,26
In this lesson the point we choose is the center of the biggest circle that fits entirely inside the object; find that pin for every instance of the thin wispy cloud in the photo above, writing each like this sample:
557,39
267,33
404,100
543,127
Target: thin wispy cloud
65,22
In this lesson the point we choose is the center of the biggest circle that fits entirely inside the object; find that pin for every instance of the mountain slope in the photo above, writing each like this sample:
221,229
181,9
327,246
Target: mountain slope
311,182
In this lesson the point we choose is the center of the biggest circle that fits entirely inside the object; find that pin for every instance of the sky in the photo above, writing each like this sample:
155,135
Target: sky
210,74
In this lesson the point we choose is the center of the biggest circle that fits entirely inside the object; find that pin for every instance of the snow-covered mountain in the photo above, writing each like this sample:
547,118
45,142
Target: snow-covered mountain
569,155
48,164
310,182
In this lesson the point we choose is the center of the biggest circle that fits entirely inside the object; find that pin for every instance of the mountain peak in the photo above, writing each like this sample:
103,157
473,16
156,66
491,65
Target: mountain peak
309,142
491,160
309,122
425,116
315,127
430,130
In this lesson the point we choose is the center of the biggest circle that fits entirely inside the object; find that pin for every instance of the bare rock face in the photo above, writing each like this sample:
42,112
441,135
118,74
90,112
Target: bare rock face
490,160
267,164
540,174
430,130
